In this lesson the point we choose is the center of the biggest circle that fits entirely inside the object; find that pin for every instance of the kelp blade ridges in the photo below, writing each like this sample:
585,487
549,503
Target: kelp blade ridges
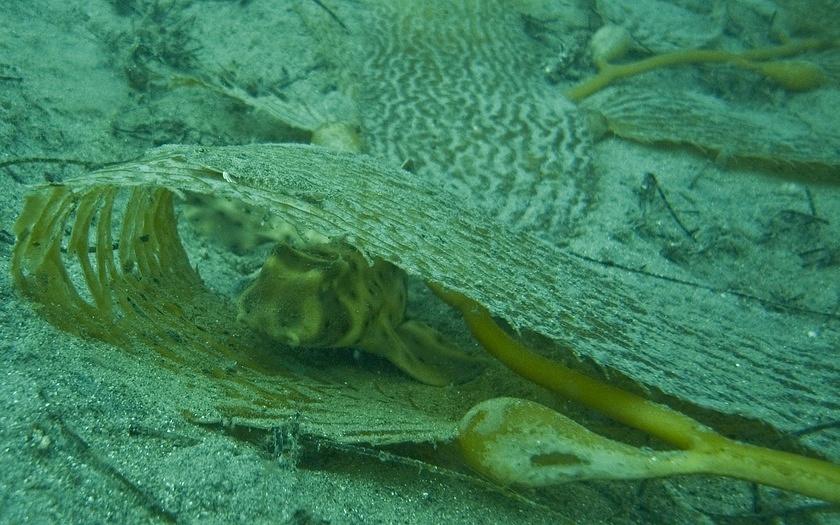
646,334
101,257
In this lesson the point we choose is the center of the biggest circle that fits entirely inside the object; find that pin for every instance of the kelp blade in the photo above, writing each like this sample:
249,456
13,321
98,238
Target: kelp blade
648,332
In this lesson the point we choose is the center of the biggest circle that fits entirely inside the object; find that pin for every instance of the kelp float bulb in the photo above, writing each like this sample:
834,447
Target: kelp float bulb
609,43
515,441
338,136
793,75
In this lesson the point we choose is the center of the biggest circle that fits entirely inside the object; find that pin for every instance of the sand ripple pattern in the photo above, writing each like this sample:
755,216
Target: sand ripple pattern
458,93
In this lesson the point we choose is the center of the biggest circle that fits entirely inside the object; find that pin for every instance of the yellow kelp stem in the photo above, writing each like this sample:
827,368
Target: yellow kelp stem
711,452
798,76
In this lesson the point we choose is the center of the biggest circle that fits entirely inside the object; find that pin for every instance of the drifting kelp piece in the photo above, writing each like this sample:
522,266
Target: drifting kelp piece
331,120
647,332
522,442
661,26
102,258
611,42
515,441
713,125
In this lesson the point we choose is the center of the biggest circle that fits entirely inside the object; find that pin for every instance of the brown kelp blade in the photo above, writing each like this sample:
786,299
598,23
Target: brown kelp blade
140,286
